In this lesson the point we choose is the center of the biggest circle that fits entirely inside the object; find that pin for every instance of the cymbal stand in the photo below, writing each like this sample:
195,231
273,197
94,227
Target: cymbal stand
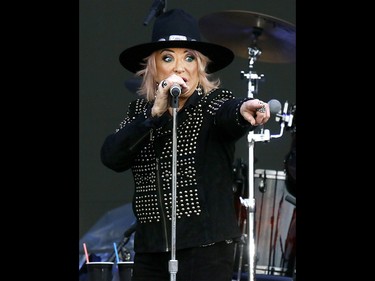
263,136
249,203
252,76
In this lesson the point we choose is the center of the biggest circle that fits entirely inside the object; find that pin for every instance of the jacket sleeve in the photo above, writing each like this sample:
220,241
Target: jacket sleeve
121,147
228,117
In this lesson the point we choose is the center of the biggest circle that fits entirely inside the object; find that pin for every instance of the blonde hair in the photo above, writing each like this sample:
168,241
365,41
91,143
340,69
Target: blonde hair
149,85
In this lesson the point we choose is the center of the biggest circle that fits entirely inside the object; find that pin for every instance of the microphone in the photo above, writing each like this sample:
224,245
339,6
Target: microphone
275,106
175,90
157,8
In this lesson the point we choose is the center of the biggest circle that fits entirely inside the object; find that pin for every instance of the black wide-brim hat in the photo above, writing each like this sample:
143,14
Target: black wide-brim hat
176,29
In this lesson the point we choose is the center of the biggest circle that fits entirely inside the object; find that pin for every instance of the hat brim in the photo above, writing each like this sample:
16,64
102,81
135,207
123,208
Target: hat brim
132,58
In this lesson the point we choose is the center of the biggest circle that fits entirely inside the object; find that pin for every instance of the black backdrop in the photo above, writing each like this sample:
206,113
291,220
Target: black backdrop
106,27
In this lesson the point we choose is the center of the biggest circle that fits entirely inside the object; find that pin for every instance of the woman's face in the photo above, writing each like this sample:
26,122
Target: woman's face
179,61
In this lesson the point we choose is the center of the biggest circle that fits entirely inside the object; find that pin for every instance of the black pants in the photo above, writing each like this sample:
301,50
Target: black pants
208,263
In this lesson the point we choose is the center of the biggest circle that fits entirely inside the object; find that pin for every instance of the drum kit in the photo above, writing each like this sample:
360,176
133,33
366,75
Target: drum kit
268,216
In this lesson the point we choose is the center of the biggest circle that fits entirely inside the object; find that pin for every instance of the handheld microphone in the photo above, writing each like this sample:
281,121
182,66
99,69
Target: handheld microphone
275,106
175,90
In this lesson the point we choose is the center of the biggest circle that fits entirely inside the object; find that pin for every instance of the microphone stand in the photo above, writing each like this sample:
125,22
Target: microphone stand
173,263
263,136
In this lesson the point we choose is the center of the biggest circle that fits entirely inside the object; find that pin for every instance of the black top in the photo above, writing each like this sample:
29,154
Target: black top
207,130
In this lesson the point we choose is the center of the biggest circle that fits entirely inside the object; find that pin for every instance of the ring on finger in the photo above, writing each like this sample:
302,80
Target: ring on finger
262,109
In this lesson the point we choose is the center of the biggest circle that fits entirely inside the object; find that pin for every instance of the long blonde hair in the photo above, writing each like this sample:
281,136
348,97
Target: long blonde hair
148,85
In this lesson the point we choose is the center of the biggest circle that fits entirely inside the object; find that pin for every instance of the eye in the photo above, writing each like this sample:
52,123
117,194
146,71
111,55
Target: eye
190,58
167,58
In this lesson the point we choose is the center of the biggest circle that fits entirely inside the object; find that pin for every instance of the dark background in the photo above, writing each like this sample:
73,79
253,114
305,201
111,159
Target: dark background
106,28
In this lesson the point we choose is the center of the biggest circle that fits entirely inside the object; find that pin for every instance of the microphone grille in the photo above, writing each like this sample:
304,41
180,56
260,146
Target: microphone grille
275,106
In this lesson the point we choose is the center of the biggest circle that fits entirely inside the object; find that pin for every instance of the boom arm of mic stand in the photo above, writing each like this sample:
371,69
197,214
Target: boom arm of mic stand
265,135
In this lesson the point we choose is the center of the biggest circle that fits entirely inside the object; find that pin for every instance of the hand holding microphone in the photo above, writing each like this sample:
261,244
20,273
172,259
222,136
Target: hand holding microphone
167,94
175,83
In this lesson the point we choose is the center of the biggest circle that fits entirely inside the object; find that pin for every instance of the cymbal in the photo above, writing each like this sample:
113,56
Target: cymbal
239,30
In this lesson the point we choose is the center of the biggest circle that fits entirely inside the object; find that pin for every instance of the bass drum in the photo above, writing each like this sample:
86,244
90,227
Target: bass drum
274,224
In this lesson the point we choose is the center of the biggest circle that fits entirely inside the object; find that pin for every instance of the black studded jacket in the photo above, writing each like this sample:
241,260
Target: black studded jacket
207,130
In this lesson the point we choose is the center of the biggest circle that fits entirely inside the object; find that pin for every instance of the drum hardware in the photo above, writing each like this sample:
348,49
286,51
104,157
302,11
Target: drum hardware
274,224
263,136
292,122
262,186
290,158
241,246
260,37
291,199
123,252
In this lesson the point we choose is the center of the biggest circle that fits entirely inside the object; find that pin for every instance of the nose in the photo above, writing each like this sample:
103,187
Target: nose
179,66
